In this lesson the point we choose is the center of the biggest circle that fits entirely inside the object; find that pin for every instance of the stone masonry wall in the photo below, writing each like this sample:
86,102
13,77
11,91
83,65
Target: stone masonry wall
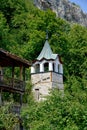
44,82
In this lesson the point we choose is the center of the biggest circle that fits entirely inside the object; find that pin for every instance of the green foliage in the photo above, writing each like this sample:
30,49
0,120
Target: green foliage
7,119
27,97
77,50
3,32
64,111
22,31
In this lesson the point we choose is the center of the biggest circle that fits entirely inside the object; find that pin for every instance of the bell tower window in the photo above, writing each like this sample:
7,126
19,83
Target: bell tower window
46,67
58,68
53,67
37,68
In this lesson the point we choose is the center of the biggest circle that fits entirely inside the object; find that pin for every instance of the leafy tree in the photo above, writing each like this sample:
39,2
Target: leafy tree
22,31
7,119
60,111
3,32
77,50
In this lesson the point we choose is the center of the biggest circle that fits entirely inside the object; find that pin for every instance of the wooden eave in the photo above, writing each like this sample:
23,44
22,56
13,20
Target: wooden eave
7,60
47,60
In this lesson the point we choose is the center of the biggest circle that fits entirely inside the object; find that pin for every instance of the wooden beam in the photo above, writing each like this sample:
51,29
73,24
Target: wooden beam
13,76
21,72
21,99
13,72
0,97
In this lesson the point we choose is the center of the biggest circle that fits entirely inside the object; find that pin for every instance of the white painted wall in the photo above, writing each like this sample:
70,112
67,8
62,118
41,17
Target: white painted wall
32,69
50,66
41,67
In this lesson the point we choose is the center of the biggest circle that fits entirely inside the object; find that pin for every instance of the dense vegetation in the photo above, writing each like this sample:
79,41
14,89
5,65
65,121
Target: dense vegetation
23,28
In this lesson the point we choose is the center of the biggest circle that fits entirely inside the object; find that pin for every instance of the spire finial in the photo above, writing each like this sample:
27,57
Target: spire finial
46,34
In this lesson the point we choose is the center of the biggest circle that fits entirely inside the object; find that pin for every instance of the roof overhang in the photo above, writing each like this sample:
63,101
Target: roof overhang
7,60
48,60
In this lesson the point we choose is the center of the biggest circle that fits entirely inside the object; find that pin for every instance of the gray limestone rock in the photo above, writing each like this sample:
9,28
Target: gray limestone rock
64,9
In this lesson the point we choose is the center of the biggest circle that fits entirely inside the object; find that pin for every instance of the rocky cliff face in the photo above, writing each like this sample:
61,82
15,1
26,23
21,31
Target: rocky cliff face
64,9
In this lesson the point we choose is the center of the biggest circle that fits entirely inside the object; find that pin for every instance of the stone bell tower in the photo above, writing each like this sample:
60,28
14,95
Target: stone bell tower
46,72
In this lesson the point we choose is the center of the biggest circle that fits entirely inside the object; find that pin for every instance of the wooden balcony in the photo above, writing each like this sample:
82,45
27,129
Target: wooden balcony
15,109
12,85
12,62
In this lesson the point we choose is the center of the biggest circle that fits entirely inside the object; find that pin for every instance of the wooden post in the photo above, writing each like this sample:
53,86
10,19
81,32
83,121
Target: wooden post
21,78
21,71
13,76
0,97
21,126
20,99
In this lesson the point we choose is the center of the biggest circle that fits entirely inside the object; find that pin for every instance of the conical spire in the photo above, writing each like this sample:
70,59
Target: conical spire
46,51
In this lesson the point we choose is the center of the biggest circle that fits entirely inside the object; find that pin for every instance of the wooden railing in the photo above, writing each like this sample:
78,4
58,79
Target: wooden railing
12,83
16,109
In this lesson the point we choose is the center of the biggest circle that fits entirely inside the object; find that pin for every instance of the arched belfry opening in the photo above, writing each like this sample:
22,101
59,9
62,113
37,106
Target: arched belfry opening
53,67
37,68
46,67
46,72
58,68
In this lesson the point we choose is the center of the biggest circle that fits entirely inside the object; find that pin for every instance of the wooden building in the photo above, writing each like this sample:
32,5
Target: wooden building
8,83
